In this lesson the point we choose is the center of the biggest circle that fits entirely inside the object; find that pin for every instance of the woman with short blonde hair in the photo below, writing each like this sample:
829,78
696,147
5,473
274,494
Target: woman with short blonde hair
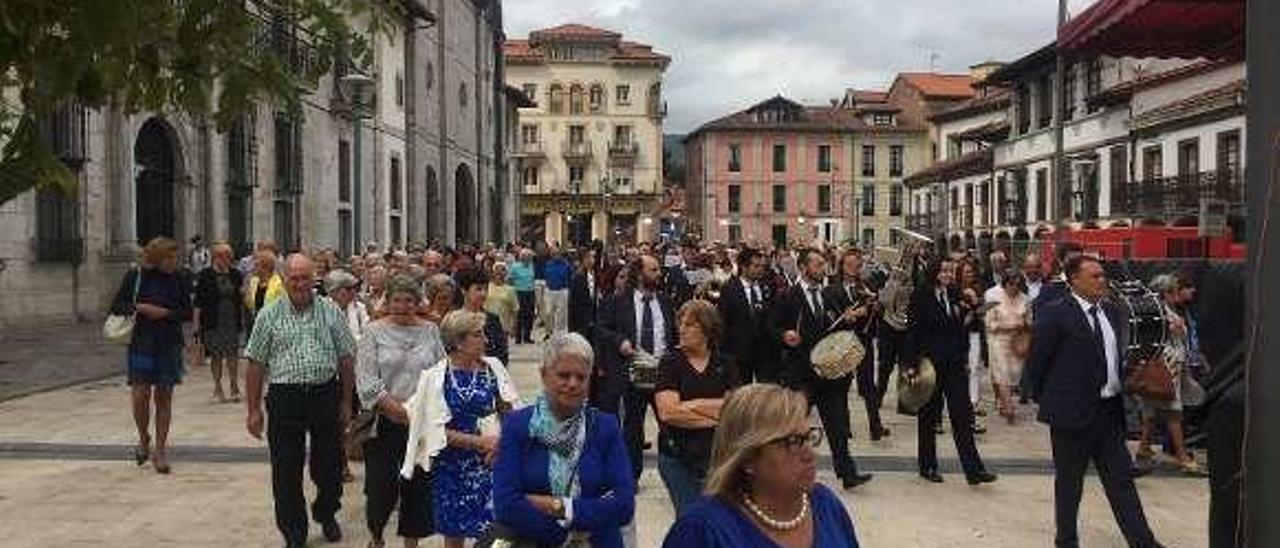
762,472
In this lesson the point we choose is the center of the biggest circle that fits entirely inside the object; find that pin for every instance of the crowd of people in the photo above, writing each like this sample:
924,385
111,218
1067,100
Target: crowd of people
402,355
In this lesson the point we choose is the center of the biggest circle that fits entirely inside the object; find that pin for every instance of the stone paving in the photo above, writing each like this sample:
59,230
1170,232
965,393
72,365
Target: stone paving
67,479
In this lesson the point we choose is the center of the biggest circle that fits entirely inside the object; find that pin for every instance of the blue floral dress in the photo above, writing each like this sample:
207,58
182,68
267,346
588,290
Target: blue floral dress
463,484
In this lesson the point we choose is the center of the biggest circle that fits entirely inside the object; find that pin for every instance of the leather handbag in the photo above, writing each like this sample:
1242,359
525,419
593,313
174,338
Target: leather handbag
1150,379
118,328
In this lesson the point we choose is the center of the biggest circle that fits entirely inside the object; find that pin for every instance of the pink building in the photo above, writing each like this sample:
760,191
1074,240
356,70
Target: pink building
781,172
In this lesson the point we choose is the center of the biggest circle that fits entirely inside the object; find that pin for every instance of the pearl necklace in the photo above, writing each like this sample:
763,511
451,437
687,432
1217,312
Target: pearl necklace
777,524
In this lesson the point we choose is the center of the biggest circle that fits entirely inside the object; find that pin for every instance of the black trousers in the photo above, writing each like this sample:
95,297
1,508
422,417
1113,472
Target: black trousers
1226,434
832,399
867,387
891,344
383,486
524,317
295,411
953,389
635,404
1102,442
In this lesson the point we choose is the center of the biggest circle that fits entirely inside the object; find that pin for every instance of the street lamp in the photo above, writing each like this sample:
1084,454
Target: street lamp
357,89
606,188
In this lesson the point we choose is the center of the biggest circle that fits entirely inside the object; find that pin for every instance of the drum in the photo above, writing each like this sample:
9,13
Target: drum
643,370
1148,328
837,355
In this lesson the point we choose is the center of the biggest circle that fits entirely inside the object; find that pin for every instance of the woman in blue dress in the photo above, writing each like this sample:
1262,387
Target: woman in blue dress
761,482
453,428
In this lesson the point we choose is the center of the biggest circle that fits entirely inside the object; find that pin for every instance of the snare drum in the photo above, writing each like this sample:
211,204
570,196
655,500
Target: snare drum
837,355
643,370
1148,327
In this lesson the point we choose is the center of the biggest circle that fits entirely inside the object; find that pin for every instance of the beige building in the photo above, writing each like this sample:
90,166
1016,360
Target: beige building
589,154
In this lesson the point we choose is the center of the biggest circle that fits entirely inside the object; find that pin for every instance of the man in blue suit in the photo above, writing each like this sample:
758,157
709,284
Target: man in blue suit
1076,369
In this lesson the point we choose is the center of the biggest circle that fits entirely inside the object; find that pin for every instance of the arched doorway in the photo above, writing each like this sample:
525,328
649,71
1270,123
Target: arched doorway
155,157
433,202
464,204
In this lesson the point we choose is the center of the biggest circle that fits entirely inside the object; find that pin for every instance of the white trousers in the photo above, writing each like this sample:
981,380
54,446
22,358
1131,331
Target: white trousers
977,369
557,301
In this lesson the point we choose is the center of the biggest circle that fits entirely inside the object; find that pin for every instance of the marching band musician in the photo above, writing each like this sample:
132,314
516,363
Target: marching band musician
639,320
938,315
744,311
851,298
801,317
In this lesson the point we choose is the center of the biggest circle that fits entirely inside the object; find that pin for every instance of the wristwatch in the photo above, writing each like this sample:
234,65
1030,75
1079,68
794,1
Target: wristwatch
557,506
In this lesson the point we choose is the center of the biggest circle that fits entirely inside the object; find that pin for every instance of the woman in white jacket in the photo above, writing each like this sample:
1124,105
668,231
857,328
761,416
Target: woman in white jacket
453,433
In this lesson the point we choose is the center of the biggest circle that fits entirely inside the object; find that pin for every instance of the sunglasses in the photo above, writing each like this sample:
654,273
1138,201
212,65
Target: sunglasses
797,441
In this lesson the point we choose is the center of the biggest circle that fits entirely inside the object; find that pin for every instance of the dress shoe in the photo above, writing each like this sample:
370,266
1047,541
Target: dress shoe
332,532
980,477
932,475
979,428
855,480
881,433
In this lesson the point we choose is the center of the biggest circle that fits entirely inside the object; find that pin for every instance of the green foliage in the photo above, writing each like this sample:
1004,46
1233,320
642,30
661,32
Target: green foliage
210,59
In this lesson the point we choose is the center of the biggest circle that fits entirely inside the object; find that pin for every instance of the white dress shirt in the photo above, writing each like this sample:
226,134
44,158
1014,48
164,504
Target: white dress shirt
1113,386
810,297
659,323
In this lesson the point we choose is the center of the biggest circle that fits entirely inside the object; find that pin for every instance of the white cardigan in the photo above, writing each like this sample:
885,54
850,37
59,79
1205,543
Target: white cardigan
429,413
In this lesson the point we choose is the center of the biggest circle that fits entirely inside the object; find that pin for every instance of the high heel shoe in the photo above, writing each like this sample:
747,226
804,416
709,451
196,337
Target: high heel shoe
161,463
142,452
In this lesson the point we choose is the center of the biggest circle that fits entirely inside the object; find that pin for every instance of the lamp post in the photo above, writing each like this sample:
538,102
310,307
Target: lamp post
606,188
357,89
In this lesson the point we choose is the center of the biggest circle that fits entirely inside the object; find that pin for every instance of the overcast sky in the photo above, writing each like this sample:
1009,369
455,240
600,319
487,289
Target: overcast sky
729,54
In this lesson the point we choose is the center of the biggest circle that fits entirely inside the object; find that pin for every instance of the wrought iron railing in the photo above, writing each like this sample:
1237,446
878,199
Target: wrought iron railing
1176,196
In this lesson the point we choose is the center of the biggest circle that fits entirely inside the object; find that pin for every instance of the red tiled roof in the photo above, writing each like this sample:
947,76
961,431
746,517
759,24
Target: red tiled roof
623,50
519,48
869,96
574,30
809,119
997,99
941,86
636,50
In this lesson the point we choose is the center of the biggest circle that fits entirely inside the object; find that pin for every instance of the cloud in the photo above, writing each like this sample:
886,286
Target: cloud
729,54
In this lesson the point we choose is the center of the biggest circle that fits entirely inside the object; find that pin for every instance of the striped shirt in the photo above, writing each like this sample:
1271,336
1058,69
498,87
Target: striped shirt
300,346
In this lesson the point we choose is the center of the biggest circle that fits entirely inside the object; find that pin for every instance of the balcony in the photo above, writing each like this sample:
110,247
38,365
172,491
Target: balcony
1171,198
532,151
274,32
920,222
623,153
576,152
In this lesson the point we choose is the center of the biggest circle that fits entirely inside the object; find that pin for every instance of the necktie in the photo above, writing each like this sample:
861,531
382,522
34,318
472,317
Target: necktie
814,301
1098,340
646,325
946,304
756,300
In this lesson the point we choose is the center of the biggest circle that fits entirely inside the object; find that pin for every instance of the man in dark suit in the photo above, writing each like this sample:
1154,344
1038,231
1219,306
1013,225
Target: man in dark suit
744,307
938,317
1076,369
800,319
849,297
582,296
641,319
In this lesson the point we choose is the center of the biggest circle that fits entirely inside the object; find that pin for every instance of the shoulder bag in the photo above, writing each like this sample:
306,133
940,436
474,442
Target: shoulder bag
118,328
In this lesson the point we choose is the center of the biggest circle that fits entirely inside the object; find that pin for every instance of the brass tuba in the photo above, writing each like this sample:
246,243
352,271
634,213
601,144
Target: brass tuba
895,298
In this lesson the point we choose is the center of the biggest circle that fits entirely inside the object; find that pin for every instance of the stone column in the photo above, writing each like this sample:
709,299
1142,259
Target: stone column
120,177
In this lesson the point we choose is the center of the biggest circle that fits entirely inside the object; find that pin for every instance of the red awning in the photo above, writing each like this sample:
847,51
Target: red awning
1158,28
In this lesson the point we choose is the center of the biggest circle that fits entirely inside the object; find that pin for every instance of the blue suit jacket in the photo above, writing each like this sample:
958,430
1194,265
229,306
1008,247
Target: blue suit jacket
606,503
1066,367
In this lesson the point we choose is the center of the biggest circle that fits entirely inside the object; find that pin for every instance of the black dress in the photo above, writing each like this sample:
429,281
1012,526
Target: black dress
155,351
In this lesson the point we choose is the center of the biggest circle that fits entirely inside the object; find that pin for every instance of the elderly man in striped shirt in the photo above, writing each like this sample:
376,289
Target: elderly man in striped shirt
301,346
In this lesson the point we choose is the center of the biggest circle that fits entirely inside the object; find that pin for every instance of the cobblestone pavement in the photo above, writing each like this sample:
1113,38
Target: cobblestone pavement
67,477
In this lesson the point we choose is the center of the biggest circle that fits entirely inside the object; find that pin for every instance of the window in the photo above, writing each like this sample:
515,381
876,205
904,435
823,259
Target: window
1024,109
288,146
346,238
895,160
397,190
735,157
576,98
779,198
621,182
622,135
576,175
397,231
1069,93
429,76
1045,101
57,221
344,171
596,97
981,194
1042,194
529,134
1188,157
1119,175
779,158
882,119
895,200
967,211
824,158
400,90
462,94
824,198
868,238
779,235
1229,153
895,239
1152,158
557,99
868,161
622,95
868,200
529,176
577,134
1092,82
735,234
530,91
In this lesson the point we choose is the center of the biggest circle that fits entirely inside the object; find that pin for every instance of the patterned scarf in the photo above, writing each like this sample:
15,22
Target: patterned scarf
564,441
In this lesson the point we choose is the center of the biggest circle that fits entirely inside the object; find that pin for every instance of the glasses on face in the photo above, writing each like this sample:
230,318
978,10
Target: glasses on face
799,440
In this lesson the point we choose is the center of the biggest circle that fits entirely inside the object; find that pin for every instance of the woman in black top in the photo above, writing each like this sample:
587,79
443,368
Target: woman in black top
693,381
160,302
218,313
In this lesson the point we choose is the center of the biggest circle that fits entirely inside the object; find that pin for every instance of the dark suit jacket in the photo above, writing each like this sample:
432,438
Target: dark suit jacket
616,322
791,310
745,331
935,333
582,307
607,499
1066,368
837,300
